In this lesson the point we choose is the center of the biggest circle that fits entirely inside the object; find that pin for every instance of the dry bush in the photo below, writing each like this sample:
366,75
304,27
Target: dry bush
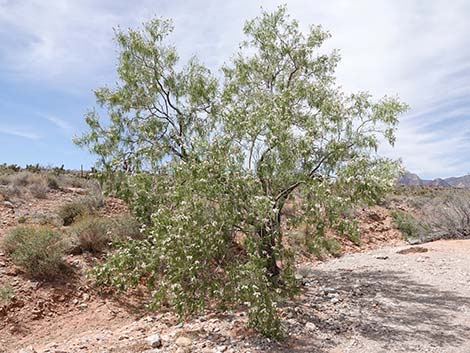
91,234
52,182
85,206
38,251
448,215
10,192
20,179
126,227
438,213
39,189
96,234
71,211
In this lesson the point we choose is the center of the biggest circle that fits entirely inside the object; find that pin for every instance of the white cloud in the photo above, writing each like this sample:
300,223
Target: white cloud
19,132
419,50
60,123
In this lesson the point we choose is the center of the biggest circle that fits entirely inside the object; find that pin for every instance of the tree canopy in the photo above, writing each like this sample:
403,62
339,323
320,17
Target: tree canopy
209,162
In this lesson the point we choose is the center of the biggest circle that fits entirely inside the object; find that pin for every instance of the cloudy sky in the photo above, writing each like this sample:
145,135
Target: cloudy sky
53,53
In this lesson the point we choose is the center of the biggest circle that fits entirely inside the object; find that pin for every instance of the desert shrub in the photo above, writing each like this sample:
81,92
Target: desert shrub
409,226
71,211
52,182
93,201
20,179
95,234
39,189
448,214
86,205
4,180
92,234
22,219
46,218
9,168
6,293
33,168
320,246
38,251
439,212
126,227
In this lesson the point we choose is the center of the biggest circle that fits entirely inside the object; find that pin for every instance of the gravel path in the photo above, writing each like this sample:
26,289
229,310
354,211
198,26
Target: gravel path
392,302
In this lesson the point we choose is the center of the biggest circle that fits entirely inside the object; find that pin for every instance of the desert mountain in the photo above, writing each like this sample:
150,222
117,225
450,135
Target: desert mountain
413,179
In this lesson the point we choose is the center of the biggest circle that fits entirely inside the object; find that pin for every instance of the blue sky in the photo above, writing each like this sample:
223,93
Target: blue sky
53,53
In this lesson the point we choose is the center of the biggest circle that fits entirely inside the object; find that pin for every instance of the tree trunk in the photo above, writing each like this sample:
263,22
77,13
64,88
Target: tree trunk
269,233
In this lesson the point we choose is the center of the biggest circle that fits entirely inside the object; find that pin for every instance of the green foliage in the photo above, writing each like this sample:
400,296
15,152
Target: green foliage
9,168
6,293
38,251
409,226
208,166
36,168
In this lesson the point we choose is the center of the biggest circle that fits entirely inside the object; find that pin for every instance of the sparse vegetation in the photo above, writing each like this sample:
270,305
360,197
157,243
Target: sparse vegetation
93,234
39,189
96,234
37,250
85,206
52,182
6,293
408,225
435,212
71,211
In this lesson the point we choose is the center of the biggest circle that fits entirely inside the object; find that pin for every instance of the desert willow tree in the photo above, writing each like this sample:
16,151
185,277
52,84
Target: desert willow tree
209,164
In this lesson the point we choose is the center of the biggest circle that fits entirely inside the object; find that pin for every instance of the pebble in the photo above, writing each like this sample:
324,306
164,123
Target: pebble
154,341
184,341
310,326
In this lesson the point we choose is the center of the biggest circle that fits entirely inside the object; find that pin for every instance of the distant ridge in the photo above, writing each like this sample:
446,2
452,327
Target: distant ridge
413,179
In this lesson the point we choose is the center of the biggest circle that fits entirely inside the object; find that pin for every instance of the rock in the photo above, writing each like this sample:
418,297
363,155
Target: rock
334,300
8,204
184,341
154,341
382,257
29,349
327,290
221,348
310,326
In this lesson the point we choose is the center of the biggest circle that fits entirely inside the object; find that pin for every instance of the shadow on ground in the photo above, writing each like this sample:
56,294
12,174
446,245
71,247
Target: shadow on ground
382,306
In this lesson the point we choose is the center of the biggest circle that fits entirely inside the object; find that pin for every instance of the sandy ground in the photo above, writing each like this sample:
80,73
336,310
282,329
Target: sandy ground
417,302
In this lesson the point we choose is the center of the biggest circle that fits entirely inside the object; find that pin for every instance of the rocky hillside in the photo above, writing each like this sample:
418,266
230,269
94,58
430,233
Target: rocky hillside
413,179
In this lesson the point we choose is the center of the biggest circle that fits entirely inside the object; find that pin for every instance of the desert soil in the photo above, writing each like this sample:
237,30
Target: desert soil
388,299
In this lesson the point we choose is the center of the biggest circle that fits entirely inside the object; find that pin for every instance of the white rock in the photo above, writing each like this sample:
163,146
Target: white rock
310,326
184,341
154,341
